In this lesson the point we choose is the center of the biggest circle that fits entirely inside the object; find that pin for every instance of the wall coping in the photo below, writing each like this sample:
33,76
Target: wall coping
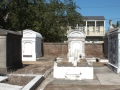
54,43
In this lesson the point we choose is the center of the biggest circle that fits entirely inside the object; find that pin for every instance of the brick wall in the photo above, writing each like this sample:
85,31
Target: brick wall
55,49
93,49
59,49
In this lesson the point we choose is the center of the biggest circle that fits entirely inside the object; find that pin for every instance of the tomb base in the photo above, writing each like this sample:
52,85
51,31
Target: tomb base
114,68
73,73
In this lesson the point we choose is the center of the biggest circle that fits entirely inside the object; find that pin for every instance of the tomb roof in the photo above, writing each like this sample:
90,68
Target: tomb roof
5,32
31,33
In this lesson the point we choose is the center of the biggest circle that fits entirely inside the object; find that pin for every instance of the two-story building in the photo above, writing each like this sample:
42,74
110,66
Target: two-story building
94,28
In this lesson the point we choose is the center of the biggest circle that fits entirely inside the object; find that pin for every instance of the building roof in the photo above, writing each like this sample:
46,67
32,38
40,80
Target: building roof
94,17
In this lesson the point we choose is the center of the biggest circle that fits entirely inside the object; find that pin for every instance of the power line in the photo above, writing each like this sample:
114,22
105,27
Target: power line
101,7
112,18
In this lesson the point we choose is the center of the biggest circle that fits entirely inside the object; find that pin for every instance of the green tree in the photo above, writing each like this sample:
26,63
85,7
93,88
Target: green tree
2,13
113,25
117,24
48,17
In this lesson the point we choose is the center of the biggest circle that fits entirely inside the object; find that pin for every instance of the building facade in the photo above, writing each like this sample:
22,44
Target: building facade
94,28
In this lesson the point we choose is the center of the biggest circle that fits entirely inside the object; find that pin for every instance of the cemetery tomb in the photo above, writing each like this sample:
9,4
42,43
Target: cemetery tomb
10,50
76,44
76,51
114,49
31,45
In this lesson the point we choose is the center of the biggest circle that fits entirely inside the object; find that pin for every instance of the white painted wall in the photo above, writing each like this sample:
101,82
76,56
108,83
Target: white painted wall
73,73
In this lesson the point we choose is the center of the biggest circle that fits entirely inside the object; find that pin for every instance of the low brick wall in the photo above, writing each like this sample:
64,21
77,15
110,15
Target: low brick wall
61,49
55,49
93,49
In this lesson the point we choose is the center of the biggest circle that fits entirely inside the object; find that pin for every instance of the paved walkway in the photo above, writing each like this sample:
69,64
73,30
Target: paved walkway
107,77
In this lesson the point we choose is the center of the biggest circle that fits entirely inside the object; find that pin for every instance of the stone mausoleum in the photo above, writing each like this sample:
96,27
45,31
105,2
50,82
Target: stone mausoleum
10,50
31,45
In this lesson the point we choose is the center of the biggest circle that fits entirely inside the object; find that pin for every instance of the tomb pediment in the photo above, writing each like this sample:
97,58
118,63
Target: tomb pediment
31,33
76,33
26,34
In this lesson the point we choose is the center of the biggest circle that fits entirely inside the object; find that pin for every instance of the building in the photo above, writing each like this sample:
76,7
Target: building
94,28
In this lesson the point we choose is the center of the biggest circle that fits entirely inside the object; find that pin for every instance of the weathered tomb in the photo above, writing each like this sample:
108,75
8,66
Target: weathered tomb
73,73
114,49
76,45
76,51
10,50
31,45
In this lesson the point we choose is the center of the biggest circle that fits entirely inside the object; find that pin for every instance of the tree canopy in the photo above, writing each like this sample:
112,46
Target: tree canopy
48,17
116,25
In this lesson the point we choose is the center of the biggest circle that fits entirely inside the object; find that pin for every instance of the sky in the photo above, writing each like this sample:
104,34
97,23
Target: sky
110,9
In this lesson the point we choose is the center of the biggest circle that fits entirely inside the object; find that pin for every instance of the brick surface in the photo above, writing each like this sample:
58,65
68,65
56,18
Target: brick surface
95,50
55,49
60,49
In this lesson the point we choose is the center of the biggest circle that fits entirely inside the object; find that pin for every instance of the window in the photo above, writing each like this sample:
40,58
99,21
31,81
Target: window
88,41
97,28
88,27
96,41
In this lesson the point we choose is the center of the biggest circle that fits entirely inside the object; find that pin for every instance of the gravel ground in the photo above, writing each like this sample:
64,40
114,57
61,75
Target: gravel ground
38,67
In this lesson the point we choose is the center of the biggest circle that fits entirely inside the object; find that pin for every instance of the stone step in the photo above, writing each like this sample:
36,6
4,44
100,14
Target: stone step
3,78
4,86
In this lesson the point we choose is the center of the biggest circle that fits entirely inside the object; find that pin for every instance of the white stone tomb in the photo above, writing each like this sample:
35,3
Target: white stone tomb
31,45
76,50
76,45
